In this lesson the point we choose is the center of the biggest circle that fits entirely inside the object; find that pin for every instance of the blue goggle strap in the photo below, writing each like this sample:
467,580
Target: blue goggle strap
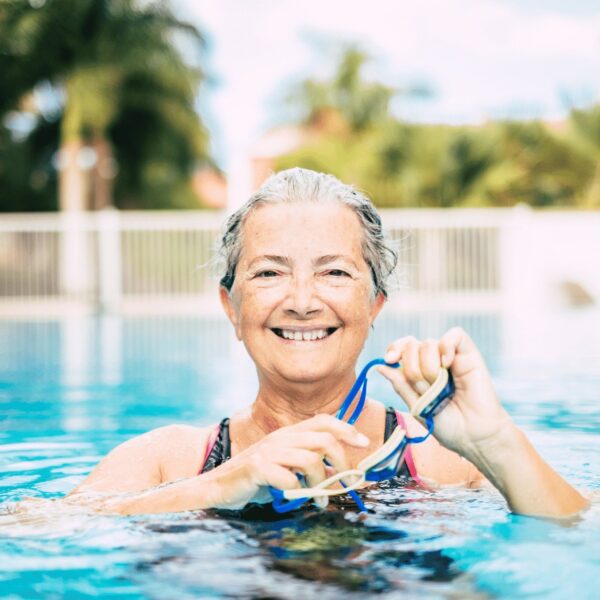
360,384
281,505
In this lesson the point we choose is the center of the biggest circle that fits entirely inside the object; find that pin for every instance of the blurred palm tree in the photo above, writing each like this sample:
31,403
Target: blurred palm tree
124,96
467,160
356,137
360,103
541,166
585,129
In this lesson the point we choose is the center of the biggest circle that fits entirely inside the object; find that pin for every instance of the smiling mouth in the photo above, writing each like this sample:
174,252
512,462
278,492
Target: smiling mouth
312,335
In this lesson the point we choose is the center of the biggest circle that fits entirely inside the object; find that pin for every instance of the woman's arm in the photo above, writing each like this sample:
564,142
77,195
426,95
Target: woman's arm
476,426
148,460
529,484
190,493
128,480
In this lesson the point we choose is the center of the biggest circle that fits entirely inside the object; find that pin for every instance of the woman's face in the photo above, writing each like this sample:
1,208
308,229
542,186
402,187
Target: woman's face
302,301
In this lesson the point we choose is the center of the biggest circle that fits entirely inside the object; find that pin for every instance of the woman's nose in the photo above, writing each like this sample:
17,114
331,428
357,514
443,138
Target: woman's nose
302,300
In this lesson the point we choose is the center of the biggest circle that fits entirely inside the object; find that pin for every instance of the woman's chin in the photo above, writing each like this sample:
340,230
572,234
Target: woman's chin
305,378
307,372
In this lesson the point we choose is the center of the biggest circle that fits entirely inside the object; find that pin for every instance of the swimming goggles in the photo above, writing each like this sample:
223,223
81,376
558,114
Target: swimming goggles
385,462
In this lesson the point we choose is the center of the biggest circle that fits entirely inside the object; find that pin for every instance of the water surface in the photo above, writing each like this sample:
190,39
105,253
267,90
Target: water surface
71,390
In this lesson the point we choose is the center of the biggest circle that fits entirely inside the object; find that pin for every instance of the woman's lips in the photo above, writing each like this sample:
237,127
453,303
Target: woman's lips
304,335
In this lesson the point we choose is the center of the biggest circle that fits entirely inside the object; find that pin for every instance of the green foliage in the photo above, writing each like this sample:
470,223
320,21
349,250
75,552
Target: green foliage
409,165
27,178
361,103
120,76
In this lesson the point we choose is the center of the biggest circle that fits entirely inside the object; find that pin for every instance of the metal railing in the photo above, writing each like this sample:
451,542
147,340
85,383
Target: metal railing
113,260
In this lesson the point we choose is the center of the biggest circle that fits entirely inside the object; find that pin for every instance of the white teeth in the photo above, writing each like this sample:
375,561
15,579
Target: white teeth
306,336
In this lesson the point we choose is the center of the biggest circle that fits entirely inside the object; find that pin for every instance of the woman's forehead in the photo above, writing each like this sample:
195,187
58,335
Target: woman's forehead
316,228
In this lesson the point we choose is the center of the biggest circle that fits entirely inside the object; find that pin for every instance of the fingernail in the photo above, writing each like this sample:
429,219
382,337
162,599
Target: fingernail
421,387
389,357
363,440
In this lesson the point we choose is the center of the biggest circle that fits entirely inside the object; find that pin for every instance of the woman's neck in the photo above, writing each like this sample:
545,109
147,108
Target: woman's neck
277,407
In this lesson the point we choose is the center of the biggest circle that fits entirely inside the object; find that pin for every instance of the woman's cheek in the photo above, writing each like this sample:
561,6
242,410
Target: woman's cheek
353,301
256,299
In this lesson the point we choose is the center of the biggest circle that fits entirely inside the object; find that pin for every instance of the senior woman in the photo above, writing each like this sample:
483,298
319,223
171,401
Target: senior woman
305,278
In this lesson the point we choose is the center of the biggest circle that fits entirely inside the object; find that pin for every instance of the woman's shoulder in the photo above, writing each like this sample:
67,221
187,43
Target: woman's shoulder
160,455
182,448
168,437
179,431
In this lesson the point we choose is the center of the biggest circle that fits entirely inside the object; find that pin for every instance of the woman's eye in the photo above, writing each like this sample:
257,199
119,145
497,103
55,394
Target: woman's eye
338,273
266,273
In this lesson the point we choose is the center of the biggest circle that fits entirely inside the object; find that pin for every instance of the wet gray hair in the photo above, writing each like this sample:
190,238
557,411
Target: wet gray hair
304,185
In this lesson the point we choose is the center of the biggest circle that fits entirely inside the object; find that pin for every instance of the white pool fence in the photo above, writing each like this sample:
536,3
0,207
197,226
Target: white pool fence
115,261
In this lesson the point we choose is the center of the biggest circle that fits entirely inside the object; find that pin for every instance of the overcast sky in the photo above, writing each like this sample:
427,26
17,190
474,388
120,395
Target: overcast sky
483,58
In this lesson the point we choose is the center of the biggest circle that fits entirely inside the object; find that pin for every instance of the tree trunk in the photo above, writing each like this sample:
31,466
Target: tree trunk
73,184
103,173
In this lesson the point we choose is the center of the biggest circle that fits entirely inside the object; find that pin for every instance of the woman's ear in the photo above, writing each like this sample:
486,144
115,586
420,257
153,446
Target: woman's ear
377,306
230,310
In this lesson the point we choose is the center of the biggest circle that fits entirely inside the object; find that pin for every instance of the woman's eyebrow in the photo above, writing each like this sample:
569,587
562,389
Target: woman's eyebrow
280,260
328,258
317,262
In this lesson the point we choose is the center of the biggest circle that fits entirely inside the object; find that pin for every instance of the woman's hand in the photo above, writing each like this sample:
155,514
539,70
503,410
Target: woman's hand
474,414
275,460
475,424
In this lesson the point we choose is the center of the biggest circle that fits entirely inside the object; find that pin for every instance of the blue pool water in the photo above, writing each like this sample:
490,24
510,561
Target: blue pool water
71,390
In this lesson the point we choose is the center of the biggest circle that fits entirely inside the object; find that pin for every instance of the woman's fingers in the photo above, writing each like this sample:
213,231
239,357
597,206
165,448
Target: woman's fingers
309,463
396,349
322,443
306,456
421,360
411,366
455,341
420,364
430,360
299,448
339,429
460,353
279,476
400,384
